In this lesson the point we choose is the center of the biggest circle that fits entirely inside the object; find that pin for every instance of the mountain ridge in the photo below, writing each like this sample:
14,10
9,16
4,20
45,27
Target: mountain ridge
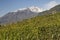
32,8
55,9
20,14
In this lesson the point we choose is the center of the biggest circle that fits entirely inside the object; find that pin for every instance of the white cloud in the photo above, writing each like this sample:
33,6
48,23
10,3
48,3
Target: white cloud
50,5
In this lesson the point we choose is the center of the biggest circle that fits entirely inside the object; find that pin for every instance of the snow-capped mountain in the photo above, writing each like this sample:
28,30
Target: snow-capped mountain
26,13
20,14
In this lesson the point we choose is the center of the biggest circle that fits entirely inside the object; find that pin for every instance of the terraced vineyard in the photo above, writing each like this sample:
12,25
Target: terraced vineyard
46,27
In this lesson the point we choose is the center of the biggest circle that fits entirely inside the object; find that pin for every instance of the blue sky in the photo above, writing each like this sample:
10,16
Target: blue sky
11,5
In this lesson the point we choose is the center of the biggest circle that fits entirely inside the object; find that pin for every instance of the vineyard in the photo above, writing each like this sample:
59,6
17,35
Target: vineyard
46,27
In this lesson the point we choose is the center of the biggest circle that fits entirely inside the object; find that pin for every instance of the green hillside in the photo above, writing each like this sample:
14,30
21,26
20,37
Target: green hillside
46,27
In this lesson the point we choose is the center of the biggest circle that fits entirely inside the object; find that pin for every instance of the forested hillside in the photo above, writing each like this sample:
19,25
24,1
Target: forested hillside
46,27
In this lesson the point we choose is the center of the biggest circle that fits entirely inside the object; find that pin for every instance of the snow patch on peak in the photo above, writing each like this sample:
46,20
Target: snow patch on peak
35,9
23,9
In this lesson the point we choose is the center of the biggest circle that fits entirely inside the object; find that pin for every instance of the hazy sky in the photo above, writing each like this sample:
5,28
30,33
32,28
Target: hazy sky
11,5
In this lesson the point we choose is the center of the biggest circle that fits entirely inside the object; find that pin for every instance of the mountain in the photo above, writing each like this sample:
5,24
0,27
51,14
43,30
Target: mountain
20,14
45,27
27,13
53,10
